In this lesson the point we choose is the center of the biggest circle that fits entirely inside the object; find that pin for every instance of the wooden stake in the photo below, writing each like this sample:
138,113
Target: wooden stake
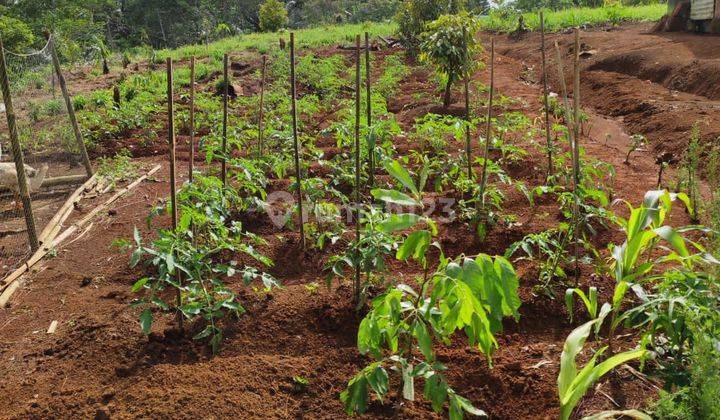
173,191
191,164
576,107
576,150
223,165
17,152
371,151
293,110
357,168
548,137
566,106
260,107
488,126
468,152
71,111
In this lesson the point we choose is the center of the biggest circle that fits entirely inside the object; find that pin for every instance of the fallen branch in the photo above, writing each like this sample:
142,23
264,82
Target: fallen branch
10,284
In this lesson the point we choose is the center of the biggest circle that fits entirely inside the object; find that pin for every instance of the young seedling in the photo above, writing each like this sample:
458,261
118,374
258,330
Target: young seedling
637,141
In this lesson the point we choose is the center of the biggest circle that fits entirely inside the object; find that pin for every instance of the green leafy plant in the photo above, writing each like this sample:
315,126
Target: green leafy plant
450,44
472,295
272,15
574,383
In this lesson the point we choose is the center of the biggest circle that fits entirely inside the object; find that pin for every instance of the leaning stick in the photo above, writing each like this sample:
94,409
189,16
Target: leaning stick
566,103
468,151
10,284
548,137
66,209
173,187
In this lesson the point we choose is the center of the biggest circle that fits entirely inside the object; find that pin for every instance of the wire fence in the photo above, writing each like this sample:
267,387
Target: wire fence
52,155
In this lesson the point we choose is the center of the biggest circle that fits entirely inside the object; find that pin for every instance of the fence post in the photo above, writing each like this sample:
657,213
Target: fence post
70,109
260,111
191,165
293,110
223,164
468,151
576,149
17,152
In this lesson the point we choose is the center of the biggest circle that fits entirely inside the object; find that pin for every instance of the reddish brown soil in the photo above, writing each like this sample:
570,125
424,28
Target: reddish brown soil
656,84
98,364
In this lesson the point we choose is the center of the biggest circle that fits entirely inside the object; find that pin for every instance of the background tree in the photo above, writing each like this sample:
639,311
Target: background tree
451,46
273,15
413,16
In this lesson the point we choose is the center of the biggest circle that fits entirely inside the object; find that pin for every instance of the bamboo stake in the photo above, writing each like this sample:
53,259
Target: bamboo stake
71,111
548,137
576,107
488,126
64,211
260,110
173,190
293,110
566,105
371,151
468,151
357,168
223,165
191,164
576,150
17,152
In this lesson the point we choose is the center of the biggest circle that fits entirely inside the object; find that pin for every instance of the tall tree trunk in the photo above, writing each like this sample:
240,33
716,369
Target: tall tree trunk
447,98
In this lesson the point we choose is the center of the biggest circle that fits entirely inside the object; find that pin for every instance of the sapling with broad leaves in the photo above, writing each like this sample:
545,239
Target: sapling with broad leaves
204,233
450,44
399,332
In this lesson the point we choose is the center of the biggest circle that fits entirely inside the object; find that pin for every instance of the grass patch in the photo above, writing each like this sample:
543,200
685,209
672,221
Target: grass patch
311,37
502,21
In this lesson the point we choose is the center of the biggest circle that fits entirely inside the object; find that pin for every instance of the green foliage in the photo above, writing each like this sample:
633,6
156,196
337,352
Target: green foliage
189,259
272,15
118,168
16,35
470,295
698,399
506,20
574,383
449,43
411,18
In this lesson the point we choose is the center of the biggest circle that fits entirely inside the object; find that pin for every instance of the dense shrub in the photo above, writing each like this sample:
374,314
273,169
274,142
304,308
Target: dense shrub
411,18
273,15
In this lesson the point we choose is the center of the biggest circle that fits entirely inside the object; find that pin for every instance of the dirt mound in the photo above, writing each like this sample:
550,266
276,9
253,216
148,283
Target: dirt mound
697,76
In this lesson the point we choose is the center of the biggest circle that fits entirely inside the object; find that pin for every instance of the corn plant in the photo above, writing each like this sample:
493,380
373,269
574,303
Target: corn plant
472,295
574,383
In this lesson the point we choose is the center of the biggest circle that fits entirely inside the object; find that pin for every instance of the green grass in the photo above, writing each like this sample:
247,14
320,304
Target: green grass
311,37
568,18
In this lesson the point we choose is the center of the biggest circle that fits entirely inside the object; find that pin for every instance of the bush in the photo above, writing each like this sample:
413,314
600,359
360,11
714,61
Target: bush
273,15
16,35
699,398
451,46
411,18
